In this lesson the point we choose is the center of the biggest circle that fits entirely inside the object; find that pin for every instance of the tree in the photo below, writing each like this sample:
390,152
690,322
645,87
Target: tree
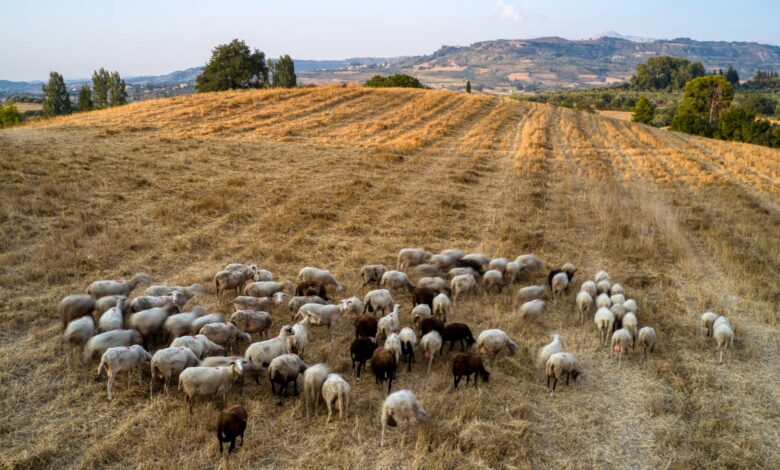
756,103
710,96
117,94
283,72
232,66
644,111
56,99
468,86
9,115
732,76
666,73
398,80
100,79
85,99
687,118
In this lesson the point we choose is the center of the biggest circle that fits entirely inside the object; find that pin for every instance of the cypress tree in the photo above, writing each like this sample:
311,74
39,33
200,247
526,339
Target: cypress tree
56,99
85,99
100,80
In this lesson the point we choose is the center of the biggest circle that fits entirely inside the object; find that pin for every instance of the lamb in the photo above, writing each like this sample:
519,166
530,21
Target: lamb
531,262
266,288
189,291
352,308
250,321
315,274
491,342
110,301
372,273
559,364
436,283
584,304
459,332
75,306
181,323
389,323
399,407
603,301
150,322
99,344
544,353
630,305
526,294
205,381
297,302
313,379
617,289
231,424
112,319
325,315
395,280
463,284
631,323
120,359
283,370
311,288
605,321
225,334
298,342
533,310
603,286
646,340
393,344
467,364
707,321
441,307
408,342
621,341
383,366
378,301
168,362
498,264
410,257
76,335
431,344
493,280
229,280
366,325
246,302
601,276
100,289
199,345
419,313
146,302
590,288
423,295
724,336
336,390
361,350
431,324
203,320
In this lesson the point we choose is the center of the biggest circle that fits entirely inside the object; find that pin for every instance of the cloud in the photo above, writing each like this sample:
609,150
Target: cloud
508,11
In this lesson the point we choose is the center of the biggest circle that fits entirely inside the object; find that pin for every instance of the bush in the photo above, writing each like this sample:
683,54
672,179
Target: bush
687,118
756,103
644,111
9,115
400,80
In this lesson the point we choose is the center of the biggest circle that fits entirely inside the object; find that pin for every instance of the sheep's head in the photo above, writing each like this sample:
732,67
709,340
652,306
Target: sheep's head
287,330
141,278
339,288
575,373
280,297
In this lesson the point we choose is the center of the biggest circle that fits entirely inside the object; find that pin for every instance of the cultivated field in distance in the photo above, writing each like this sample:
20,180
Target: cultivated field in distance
341,177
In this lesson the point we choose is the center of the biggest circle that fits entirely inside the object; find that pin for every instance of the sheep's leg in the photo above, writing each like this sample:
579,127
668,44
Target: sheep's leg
476,379
110,385
567,379
457,379
140,378
720,361
151,387
382,439
430,361
68,357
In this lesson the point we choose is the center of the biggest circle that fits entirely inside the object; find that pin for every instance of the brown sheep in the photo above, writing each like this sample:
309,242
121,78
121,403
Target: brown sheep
361,350
459,332
317,288
383,366
467,364
231,424
430,324
366,325
423,295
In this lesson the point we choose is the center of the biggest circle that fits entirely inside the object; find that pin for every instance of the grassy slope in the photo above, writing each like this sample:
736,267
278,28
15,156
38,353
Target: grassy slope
341,177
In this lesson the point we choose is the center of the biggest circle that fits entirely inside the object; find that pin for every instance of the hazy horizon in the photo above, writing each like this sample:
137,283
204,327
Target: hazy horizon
151,39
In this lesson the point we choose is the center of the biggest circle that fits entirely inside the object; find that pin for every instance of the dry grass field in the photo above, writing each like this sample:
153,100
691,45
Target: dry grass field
340,177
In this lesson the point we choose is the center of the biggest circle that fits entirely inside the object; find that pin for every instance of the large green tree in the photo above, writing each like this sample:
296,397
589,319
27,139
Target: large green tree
704,101
56,99
284,72
232,66
100,79
397,80
85,98
666,73
117,94
644,111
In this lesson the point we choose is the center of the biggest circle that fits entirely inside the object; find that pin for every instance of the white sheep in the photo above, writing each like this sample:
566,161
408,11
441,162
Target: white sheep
604,320
225,334
299,340
724,336
498,264
112,319
621,342
320,275
530,261
719,321
420,312
409,257
262,353
351,307
646,340
617,299
205,381
266,288
168,362
513,272
526,294
461,271
491,342
181,323
630,323
442,307
250,321
380,300
431,345
427,270
444,261
122,358
617,289
247,302
336,391
299,301
493,280
630,305
189,291
618,311
248,270
110,301
263,275
584,304
229,280
533,310
603,286
396,280
603,301
323,315
283,370
76,335
558,284
199,345
480,258
393,344
150,322
398,407
372,273
104,288
203,320
313,379
146,302
99,344
590,288
436,283
408,342
548,350
559,364
463,284
75,306
389,323
601,276
707,321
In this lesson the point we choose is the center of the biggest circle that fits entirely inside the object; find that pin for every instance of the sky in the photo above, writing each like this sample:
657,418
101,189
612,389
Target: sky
153,37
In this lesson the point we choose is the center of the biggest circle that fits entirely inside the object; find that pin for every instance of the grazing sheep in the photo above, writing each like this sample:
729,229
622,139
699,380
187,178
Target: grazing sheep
646,340
321,275
311,288
617,289
266,288
584,304
225,334
619,311
284,370
379,300
431,324
410,257
150,322
76,335
399,407
393,344
199,345
544,353
299,341
461,271
324,315
75,306
231,424
389,323
229,280
498,264
467,364
189,291
366,325
104,303
100,289
533,310
491,342
383,364
361,350
445,261
336,390
617,299
146,302
122,358
630,305
603,301
263,275
427,270
250,321
531,262
631,323
168,362
431,344
601,276
493,280
180,324
99,344
559,282
248,270
706,323
419,313
372,273
436,283
203,320
621,341
352,308
441,307
296,303
112,319
719,321
313,379
513,272
463,284
395,280
605,321
249,370
603,286
459,332
246,302
206,381
559,364
423,295
724,336
526,294
408,342
480,258
590,288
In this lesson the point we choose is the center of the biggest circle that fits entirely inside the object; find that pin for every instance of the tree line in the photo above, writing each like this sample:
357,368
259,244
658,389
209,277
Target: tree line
108,90
236,66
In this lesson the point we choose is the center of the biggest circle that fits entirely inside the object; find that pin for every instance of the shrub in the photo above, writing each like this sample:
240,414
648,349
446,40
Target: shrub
9,115
400,80
644,111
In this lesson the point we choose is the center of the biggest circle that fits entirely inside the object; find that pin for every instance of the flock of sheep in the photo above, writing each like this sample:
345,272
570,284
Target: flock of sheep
199,348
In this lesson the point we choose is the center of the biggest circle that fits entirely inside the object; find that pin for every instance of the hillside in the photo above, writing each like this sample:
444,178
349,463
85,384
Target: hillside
340,177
